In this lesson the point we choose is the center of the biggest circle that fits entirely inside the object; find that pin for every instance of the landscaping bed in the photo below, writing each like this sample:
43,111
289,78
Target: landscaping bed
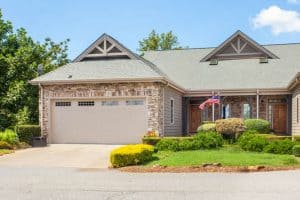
5,151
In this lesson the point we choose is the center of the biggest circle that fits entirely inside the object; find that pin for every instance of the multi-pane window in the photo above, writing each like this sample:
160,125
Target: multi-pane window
62,103
246,111
134,102
226,111
172,110
110,103
86,103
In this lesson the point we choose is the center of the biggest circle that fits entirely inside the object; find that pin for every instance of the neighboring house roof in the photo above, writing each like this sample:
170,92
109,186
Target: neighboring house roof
184,67
188,69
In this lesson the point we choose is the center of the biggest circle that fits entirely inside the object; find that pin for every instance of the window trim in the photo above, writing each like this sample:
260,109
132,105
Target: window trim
172,109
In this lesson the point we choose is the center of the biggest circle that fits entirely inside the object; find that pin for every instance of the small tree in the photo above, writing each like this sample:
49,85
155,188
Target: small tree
156,41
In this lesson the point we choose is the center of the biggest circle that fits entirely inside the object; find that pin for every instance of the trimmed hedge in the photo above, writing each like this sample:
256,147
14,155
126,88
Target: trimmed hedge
272,137
259,125
204,140
131,155
5,145
296,138
207,127
250,141
9,136
155,140
27,132
296,150
230,126
280,147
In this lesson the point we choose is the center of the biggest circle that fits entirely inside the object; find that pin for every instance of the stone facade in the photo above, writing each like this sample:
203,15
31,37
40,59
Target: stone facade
153,92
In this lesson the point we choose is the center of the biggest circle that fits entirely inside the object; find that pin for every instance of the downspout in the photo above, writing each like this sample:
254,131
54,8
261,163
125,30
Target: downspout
41,106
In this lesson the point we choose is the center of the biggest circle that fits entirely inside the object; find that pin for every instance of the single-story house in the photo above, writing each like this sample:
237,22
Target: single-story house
109,94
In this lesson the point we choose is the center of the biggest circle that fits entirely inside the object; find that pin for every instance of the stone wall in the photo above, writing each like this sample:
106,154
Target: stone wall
153,93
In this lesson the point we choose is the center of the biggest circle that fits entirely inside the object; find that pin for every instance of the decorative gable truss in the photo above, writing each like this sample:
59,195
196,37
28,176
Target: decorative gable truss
239,46
104,48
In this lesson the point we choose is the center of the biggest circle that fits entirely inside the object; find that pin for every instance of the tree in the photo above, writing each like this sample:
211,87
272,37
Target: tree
155,41
22,59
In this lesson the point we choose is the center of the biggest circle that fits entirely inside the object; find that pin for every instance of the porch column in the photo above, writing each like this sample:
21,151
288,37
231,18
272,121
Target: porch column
257,104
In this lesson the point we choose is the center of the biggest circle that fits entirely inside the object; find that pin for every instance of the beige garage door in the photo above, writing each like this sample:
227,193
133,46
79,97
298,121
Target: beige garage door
113,121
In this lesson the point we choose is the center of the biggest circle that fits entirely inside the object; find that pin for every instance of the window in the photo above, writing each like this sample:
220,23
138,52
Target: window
226,111
134,102
86,103
246,111
172,110
110,103
63,103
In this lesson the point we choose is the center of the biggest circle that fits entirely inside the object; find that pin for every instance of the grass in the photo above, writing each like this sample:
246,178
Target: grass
227,156
5,151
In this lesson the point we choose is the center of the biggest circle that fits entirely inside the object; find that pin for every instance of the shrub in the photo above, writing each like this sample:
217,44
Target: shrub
280,147
150,140
5,145
27,132
168,144
231,127
296,138
207,140
131,155
207,127
296,150
272,137
259,125
184,145
250,141
9,136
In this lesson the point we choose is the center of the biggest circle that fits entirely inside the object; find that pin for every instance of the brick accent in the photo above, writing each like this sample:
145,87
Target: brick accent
151,91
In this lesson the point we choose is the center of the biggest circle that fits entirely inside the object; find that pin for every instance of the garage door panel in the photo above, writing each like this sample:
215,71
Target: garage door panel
118,124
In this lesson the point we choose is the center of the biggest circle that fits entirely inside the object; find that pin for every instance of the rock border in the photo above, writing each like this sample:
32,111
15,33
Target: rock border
209,168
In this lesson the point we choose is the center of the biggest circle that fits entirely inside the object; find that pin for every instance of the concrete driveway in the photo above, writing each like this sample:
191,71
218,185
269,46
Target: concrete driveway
61,155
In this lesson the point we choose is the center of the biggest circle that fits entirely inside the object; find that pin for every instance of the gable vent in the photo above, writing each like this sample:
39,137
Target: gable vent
213,62
263,60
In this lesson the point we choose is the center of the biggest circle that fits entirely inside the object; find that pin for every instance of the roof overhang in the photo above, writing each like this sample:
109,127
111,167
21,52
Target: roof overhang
294,82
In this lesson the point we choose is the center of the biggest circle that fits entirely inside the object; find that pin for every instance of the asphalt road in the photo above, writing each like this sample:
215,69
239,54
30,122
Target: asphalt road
71,183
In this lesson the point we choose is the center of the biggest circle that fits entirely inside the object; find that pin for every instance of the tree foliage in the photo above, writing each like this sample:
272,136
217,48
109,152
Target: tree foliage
156,41
21,60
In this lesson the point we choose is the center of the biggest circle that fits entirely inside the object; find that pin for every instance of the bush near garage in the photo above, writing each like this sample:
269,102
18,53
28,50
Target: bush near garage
296,150
260,125
5,145
9,136
155,140
26,133
251,141
280,147
131,155
230,128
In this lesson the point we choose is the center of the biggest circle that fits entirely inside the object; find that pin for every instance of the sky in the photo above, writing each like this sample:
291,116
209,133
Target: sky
196,23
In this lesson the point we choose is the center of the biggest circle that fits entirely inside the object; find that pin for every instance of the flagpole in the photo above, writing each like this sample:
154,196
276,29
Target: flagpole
213,112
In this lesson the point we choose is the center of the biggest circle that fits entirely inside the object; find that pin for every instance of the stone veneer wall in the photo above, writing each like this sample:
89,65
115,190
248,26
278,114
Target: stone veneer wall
152,91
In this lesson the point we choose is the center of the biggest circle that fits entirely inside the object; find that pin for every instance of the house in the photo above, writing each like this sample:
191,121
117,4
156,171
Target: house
109,94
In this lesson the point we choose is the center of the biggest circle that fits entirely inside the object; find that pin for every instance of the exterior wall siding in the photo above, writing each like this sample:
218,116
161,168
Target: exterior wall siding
296,112
172,129
153,92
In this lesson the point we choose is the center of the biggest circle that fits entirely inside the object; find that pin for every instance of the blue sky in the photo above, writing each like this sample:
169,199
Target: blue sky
196,23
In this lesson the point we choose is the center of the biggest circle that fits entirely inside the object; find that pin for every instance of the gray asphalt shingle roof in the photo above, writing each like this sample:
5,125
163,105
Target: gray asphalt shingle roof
100,70
184,68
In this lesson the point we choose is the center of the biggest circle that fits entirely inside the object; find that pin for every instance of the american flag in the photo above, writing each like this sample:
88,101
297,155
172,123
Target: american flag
210,101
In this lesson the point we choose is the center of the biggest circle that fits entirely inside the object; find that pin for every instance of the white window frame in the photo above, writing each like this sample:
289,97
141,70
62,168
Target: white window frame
172,111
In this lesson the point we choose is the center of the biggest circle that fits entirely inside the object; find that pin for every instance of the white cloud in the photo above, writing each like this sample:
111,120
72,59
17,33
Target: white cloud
279,20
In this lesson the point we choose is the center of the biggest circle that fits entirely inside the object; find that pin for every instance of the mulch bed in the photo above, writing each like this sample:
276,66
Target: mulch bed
227,169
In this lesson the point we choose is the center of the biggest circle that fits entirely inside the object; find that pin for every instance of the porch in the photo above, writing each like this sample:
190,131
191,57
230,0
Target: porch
274,108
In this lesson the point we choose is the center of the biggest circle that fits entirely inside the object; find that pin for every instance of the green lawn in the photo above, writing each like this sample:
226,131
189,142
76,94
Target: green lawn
227,156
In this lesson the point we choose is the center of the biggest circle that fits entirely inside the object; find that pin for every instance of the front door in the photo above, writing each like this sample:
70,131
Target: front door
279,118
195,118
